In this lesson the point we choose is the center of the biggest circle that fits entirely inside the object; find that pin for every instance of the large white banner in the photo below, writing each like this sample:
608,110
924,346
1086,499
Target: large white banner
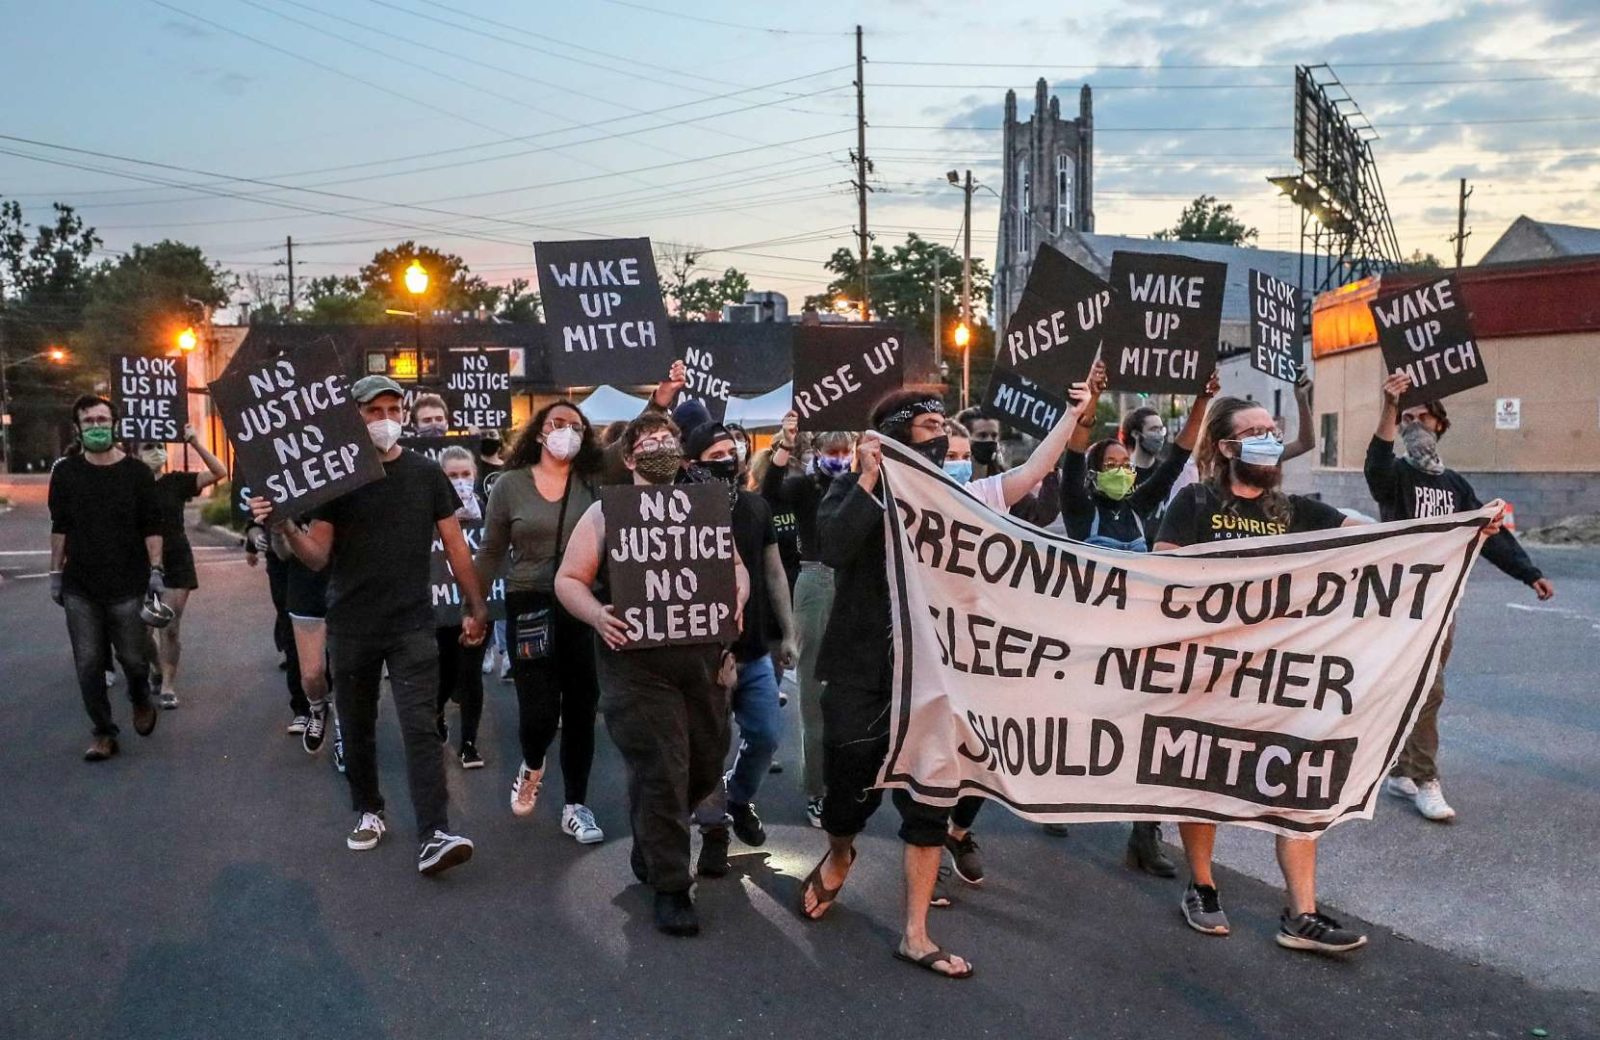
1268,682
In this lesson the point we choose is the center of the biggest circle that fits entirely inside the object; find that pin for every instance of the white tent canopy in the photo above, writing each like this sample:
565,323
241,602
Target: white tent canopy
608,404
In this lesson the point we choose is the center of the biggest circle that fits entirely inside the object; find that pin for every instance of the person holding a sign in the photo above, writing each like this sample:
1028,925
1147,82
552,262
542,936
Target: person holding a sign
1406,487
378,541
857,663
105,559
172,491
461,664
547,483
666,705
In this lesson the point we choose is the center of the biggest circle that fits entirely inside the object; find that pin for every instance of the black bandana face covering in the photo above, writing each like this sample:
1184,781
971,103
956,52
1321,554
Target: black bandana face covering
934,451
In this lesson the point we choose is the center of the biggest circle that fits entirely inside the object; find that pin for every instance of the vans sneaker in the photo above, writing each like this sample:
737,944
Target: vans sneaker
441,852
369,831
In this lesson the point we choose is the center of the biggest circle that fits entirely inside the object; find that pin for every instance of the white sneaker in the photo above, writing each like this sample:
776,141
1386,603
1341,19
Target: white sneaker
298,724
505,668
369,831
578,821
1431,803
1400,787
488,660
525,790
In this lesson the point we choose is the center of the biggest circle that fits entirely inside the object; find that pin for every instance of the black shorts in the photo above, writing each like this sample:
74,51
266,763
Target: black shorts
307,593
177,565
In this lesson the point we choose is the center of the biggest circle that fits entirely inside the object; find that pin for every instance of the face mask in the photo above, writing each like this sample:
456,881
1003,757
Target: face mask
469,499
432,429
934,451
959,470
1152,441
97,438
1264,450
1114,483
741,451
830,465
1422,448
155,458
658,465
487,447
725,470
384,433
563,443
984,452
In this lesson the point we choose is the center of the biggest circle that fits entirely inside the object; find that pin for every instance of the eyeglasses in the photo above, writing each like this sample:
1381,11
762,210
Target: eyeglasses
560,424
1258,431
89,422
656,444
930,422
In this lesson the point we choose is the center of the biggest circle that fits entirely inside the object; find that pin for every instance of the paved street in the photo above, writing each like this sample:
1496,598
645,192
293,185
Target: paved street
198,885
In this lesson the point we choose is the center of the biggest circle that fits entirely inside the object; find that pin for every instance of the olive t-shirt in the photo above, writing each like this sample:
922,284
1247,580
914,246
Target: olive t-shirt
521,522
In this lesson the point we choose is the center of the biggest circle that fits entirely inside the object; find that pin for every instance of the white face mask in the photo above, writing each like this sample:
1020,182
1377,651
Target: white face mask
384,433
564,443
469,499
741,450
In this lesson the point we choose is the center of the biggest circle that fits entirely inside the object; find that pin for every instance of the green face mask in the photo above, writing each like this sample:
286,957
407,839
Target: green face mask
1114,483
97,438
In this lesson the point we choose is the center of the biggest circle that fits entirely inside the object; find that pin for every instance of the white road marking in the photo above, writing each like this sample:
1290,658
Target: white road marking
1573,615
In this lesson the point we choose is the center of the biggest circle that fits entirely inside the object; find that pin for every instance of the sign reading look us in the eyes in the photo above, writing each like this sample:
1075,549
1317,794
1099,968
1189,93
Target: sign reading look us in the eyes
152,395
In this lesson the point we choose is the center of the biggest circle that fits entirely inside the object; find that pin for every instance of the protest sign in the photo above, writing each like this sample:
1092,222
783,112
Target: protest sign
1055,331
605,322
670,563
447,593
1023,405
152,396
433,447
1426,333
1166,314
1274,327
477,388
299,438
841,371
1269,682
705,383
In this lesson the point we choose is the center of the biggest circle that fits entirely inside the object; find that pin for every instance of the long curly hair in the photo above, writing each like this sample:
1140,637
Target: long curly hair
1216,469
527,449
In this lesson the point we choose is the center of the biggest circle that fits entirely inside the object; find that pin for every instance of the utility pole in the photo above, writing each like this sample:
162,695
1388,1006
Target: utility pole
938,337
861,172
966,290
1462,234
289,244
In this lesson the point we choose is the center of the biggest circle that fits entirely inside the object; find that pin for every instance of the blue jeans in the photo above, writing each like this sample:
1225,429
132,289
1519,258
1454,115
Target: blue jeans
755,709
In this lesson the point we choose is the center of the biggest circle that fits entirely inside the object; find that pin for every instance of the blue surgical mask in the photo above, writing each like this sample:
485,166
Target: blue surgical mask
959,470
1263,450
830,465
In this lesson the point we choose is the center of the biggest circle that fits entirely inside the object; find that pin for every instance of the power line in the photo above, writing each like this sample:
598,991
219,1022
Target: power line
1226,65
726,25
1098,87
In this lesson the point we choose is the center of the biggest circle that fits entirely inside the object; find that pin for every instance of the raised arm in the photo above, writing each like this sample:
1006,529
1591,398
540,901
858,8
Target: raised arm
1305,431
1381,464
1014,483
215,470
613,470
312,546
850,516
1197,415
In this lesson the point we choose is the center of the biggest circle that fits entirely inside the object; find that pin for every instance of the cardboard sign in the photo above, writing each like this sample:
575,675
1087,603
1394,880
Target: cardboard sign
1274,327
1426,333
442,581
1023,405
605,319
1056,329
152,395
433,447
670,563
704,383
299,437
477,388
841,371
1166,314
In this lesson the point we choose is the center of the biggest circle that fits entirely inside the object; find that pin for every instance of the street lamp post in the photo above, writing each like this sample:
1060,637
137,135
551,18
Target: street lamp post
416,279
55,355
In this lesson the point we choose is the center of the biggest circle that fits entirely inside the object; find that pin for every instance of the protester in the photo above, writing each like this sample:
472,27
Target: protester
305,605
1414,485
105,563
712,451
988,456
280,561
172,491
1305,439
461,663
741,453
430,417
547,483
378,540
1239,497
974,451
857,663
665,706
490,463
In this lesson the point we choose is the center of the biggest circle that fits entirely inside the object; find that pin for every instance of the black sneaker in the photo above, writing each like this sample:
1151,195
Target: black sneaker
315,732
470,759
441,727
1318,933
964,856
747,825
675,913
713,853
441,852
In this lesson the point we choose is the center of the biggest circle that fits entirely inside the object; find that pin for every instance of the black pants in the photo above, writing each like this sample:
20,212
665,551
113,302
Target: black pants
283,632
557,691
461,679
855,741
94,627
669,718
413,660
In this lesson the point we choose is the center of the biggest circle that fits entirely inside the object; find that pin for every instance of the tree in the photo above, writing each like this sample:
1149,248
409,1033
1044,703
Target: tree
1420,261
902,284
140,302
1207,220
451,284
341,300
695,298
518,305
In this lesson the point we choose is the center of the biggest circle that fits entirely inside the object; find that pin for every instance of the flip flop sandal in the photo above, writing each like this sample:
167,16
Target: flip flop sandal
927,962
826,897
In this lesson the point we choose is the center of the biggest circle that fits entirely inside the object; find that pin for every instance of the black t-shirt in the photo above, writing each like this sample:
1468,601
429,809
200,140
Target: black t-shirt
1196,515
752,533
106,512
172,491
382,545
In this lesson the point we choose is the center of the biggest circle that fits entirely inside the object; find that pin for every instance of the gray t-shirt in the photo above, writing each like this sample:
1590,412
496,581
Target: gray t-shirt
521,523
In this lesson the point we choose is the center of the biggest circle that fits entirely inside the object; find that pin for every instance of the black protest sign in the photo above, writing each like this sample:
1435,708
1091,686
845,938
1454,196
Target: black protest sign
670,563
433,447
477,388
705,382
152,395
1274,327
1022,404
299,437
446,592
1166,314
1055,331
1426,333
605,322
841,371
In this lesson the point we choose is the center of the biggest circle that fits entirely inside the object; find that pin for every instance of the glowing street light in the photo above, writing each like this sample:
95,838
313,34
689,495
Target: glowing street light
963,336
57,355
416,278
187,340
